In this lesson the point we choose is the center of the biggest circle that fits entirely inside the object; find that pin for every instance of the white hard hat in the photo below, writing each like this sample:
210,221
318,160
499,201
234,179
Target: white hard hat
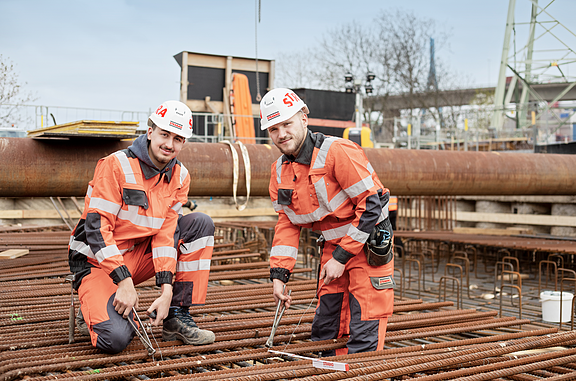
279,105
173,116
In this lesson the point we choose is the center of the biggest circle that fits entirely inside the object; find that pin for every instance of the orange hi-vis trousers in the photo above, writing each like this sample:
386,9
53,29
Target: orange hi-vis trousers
109,331
356,304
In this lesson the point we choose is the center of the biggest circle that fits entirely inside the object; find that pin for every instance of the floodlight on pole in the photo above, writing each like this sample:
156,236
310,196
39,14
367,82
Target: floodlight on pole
353,85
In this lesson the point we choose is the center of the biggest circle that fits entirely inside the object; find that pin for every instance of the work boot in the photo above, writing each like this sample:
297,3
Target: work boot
180,325
81,324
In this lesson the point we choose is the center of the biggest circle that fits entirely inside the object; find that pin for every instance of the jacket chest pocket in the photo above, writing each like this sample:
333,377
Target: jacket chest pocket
317,187
136,197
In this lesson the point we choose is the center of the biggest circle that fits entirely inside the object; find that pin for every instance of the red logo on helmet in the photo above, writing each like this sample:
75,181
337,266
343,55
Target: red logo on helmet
161,111
291,97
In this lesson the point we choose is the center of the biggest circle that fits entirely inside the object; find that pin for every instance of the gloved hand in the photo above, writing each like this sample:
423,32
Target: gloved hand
190,205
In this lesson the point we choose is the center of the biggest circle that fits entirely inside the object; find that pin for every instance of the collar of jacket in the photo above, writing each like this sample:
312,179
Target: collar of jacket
305,155
140,150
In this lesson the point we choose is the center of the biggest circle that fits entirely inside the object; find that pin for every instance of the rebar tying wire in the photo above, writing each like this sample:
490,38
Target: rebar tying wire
247,171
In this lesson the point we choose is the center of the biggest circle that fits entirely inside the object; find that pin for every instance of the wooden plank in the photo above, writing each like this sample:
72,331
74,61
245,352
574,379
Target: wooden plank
93,128
518,219
13,253
502,218
32,213
224,213
507,231
214,213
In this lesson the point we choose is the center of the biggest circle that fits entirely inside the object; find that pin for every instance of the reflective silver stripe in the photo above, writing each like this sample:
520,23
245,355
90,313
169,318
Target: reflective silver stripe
199,244
360,187
383,215
126,167
370,169
320,161
335,233
164,252
284,251
277,207
279,170
323,209
107,252
321,192
81,247
178,208
301,219
183,173
145,221
104,205
89,191
200,264
357,235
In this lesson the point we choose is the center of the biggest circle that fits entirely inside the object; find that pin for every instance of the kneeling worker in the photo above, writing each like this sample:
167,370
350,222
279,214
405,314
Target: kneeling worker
132,229
327,184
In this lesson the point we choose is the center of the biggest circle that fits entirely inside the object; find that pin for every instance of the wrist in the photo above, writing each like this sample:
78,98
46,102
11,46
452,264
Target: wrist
166,290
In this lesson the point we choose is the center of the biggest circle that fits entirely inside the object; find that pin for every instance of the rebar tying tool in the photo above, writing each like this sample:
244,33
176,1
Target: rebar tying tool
270,341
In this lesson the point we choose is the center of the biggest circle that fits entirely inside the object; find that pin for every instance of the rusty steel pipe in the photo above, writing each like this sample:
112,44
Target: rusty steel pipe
44,168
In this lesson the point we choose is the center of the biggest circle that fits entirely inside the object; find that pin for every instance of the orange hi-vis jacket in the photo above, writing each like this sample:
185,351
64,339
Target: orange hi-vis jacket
127,202
393,204
329,187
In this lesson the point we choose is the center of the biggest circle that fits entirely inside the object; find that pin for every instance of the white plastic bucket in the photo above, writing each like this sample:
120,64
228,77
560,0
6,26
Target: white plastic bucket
551,306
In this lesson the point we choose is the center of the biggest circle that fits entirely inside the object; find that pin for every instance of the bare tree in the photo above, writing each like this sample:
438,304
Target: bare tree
293,71
11,94
395,47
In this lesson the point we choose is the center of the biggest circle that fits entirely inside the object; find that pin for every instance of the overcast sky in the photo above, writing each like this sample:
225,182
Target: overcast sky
118,54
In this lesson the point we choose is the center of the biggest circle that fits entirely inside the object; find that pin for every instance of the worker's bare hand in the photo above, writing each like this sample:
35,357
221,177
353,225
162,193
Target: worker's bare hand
331,270
161,305
125,298
280,293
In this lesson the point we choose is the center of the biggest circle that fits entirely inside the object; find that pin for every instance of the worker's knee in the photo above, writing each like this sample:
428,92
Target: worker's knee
112,340
195,225
114,334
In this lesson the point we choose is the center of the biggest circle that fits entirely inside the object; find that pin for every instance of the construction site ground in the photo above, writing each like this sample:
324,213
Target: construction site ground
448,321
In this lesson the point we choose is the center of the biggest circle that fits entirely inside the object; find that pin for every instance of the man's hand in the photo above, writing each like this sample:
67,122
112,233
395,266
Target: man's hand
161,305
125,298
279,294
331,270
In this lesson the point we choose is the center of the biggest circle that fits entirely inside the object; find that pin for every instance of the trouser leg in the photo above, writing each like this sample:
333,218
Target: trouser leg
371,302
194,254
109,331
332,315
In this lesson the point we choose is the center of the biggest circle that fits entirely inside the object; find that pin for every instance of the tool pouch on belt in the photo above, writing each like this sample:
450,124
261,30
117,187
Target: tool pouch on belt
378,247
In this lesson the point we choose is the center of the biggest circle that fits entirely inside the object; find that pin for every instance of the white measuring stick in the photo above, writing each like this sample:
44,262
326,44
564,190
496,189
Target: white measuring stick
317,363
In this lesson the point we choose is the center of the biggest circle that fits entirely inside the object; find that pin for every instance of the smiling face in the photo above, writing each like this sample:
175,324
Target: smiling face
164,146
289,135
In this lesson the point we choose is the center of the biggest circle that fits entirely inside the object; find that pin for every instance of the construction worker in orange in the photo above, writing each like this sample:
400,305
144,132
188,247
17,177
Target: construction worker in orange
327,184
133,229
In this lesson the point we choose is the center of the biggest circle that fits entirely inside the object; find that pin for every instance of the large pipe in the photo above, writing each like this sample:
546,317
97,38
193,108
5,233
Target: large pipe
44,168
